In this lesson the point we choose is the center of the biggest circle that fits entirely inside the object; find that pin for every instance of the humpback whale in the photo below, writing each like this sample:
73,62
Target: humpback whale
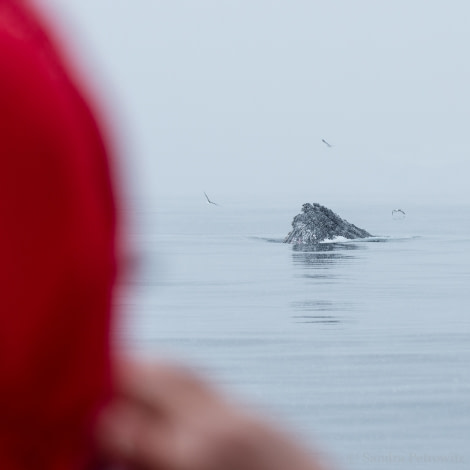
317,223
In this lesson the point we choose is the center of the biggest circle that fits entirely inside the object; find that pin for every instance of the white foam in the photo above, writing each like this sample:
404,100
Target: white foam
335,240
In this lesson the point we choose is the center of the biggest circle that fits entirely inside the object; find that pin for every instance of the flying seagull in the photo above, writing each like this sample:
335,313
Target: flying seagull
398,211
209,201
326,143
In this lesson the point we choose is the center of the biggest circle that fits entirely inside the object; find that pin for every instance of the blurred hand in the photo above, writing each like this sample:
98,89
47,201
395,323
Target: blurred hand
165,418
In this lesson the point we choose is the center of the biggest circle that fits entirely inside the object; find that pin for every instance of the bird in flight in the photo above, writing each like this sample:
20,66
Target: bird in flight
398,211
326,143
209,201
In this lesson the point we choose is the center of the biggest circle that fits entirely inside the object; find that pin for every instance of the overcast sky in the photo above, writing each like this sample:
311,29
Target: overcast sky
233,97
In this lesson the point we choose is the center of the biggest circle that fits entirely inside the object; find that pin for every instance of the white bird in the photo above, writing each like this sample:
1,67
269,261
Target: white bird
326,143
398,211
209,201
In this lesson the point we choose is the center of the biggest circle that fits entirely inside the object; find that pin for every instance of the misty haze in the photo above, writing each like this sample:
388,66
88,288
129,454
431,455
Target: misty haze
260,107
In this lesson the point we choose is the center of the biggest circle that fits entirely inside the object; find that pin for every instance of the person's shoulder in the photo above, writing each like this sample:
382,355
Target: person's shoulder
37,101
28,60
20,32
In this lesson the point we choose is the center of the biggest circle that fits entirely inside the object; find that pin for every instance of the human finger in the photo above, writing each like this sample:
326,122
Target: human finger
162,387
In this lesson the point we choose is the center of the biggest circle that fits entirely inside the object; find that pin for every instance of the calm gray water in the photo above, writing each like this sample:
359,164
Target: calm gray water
362,347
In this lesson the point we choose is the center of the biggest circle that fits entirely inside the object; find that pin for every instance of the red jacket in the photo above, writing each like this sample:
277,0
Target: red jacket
57,260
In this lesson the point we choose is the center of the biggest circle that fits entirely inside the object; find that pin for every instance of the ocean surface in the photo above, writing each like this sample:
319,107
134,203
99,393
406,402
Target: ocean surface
362,348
